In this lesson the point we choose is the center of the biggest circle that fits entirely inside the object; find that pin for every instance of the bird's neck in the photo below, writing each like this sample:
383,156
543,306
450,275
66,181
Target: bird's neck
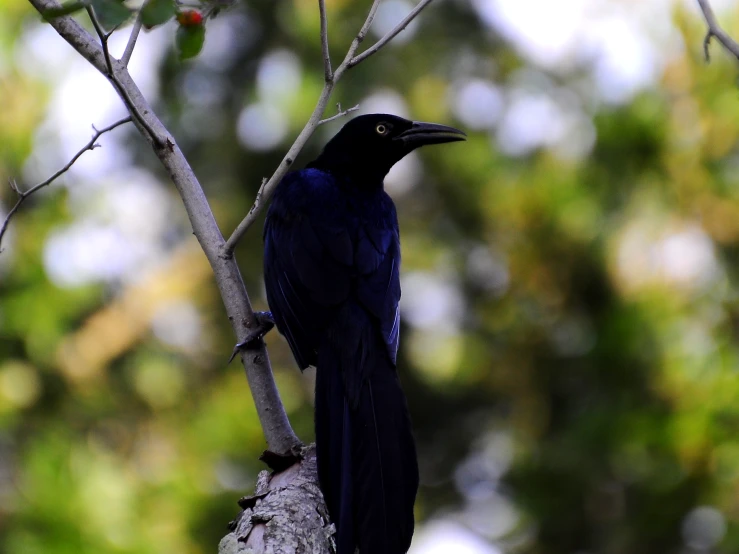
355,173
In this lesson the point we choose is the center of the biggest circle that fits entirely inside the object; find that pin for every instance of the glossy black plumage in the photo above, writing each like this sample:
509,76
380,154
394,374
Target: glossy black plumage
332,260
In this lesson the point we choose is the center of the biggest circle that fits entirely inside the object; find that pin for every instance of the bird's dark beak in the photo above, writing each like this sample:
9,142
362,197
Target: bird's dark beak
421,134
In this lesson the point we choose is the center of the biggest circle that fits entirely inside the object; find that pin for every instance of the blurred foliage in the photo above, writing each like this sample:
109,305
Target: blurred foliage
570,344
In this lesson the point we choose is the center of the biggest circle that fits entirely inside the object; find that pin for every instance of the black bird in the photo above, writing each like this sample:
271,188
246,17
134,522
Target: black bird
331,269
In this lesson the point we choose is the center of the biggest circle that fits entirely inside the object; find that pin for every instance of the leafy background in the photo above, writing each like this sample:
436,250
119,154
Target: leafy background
570,309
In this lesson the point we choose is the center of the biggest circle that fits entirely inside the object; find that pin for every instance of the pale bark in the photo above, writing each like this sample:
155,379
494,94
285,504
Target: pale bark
286,514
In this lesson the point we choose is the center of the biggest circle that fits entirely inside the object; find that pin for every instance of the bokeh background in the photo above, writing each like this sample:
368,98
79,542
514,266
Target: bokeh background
570,303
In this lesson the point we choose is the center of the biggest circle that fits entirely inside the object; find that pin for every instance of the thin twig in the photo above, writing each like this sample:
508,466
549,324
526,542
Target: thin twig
103,38
390,35
126,57
341,113
113,30
117,83
266,190
22,196
367,24
714,30
327,69
358,39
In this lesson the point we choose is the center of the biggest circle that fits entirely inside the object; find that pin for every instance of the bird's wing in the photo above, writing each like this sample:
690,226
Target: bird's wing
307,272
325,256
378,284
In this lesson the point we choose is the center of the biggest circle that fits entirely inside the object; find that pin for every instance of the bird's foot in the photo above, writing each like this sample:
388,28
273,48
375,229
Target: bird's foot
265,323
281,461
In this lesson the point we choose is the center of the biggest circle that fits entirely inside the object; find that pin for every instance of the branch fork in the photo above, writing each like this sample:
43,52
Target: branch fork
714,30
110,63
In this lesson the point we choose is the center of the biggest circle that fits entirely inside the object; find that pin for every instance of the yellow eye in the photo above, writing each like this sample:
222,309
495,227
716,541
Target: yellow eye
381,129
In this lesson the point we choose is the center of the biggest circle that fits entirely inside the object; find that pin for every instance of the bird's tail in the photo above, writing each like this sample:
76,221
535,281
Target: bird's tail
366,453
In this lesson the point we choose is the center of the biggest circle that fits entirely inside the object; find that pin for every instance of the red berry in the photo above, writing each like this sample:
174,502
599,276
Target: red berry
190,18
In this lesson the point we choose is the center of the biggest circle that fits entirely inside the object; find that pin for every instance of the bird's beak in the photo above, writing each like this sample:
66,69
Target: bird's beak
421,134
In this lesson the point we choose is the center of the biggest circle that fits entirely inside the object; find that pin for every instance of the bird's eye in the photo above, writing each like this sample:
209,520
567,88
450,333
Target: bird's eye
381,129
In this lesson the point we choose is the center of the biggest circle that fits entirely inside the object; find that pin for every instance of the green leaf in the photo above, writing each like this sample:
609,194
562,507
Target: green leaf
64,9
189,41
110,13
157,12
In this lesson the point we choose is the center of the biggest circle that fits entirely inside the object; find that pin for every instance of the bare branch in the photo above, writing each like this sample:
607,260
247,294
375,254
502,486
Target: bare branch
327,70
714,30
339,114
111,74
103,38
22,196
277,431
126,57
391,35
266,191
357,40
366,27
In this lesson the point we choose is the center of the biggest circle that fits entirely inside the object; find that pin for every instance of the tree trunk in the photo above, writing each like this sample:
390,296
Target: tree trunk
286,514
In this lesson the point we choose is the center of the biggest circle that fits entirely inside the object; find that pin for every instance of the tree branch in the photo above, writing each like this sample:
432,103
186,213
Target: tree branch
111,75
268,188
357,41
286,514
128,52
714,30
277,431
327,70
365,28
102,37
391,35
340,113
22,196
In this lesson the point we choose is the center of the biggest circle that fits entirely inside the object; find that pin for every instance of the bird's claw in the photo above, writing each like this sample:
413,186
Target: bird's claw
265,323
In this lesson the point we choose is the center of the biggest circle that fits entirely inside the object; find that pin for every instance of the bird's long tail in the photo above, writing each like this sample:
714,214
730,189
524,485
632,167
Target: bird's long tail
366,453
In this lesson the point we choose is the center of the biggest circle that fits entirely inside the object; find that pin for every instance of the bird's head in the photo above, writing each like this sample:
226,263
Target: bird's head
369,145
